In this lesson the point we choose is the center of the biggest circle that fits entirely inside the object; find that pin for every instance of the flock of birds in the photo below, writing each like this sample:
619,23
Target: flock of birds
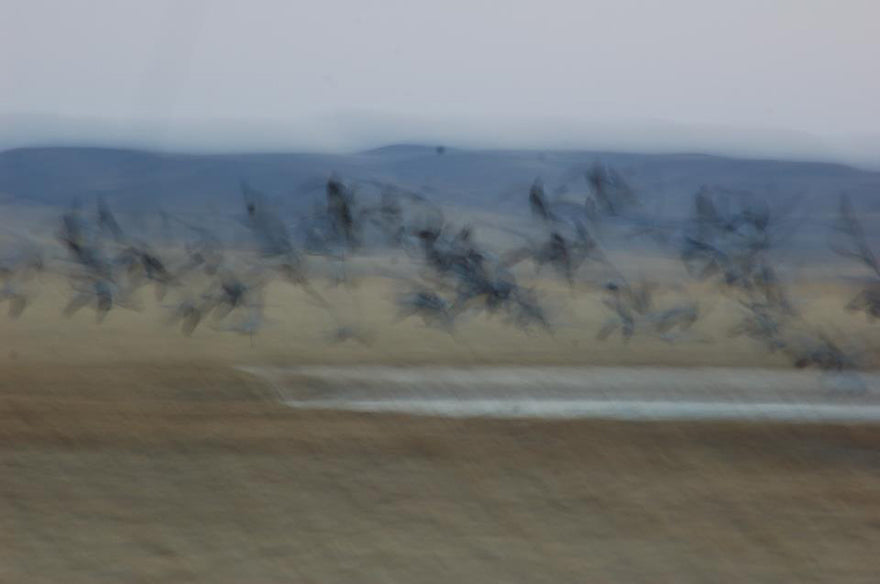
727,240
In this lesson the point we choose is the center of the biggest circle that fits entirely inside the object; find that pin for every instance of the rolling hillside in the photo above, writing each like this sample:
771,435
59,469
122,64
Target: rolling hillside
492,180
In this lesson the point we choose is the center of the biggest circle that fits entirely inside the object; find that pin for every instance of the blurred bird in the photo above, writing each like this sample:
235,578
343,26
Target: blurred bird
433,310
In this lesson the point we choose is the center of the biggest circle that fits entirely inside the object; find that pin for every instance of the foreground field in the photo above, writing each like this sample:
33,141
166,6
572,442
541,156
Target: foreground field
130,472
129,452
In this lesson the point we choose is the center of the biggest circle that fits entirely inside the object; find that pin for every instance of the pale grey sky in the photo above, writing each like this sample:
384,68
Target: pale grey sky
336,74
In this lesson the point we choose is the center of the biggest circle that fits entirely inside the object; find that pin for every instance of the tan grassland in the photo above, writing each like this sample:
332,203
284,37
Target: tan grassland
129,453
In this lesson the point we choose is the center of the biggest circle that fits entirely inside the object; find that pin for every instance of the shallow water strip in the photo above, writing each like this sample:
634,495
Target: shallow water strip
649,393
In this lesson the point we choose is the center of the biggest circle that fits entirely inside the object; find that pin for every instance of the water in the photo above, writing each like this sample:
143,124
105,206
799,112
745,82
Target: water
582,392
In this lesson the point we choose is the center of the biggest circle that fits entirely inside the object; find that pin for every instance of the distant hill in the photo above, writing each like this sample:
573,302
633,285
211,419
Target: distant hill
488,180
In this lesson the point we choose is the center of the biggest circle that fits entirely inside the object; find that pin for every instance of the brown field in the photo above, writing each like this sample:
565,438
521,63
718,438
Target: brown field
130,453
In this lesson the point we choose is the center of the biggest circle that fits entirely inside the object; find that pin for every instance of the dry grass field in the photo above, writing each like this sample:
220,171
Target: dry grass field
129,453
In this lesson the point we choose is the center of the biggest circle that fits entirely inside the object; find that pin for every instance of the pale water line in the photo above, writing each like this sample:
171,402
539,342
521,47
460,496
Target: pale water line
603,409
424,380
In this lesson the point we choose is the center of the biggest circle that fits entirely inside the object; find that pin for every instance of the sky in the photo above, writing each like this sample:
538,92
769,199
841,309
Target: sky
770,77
